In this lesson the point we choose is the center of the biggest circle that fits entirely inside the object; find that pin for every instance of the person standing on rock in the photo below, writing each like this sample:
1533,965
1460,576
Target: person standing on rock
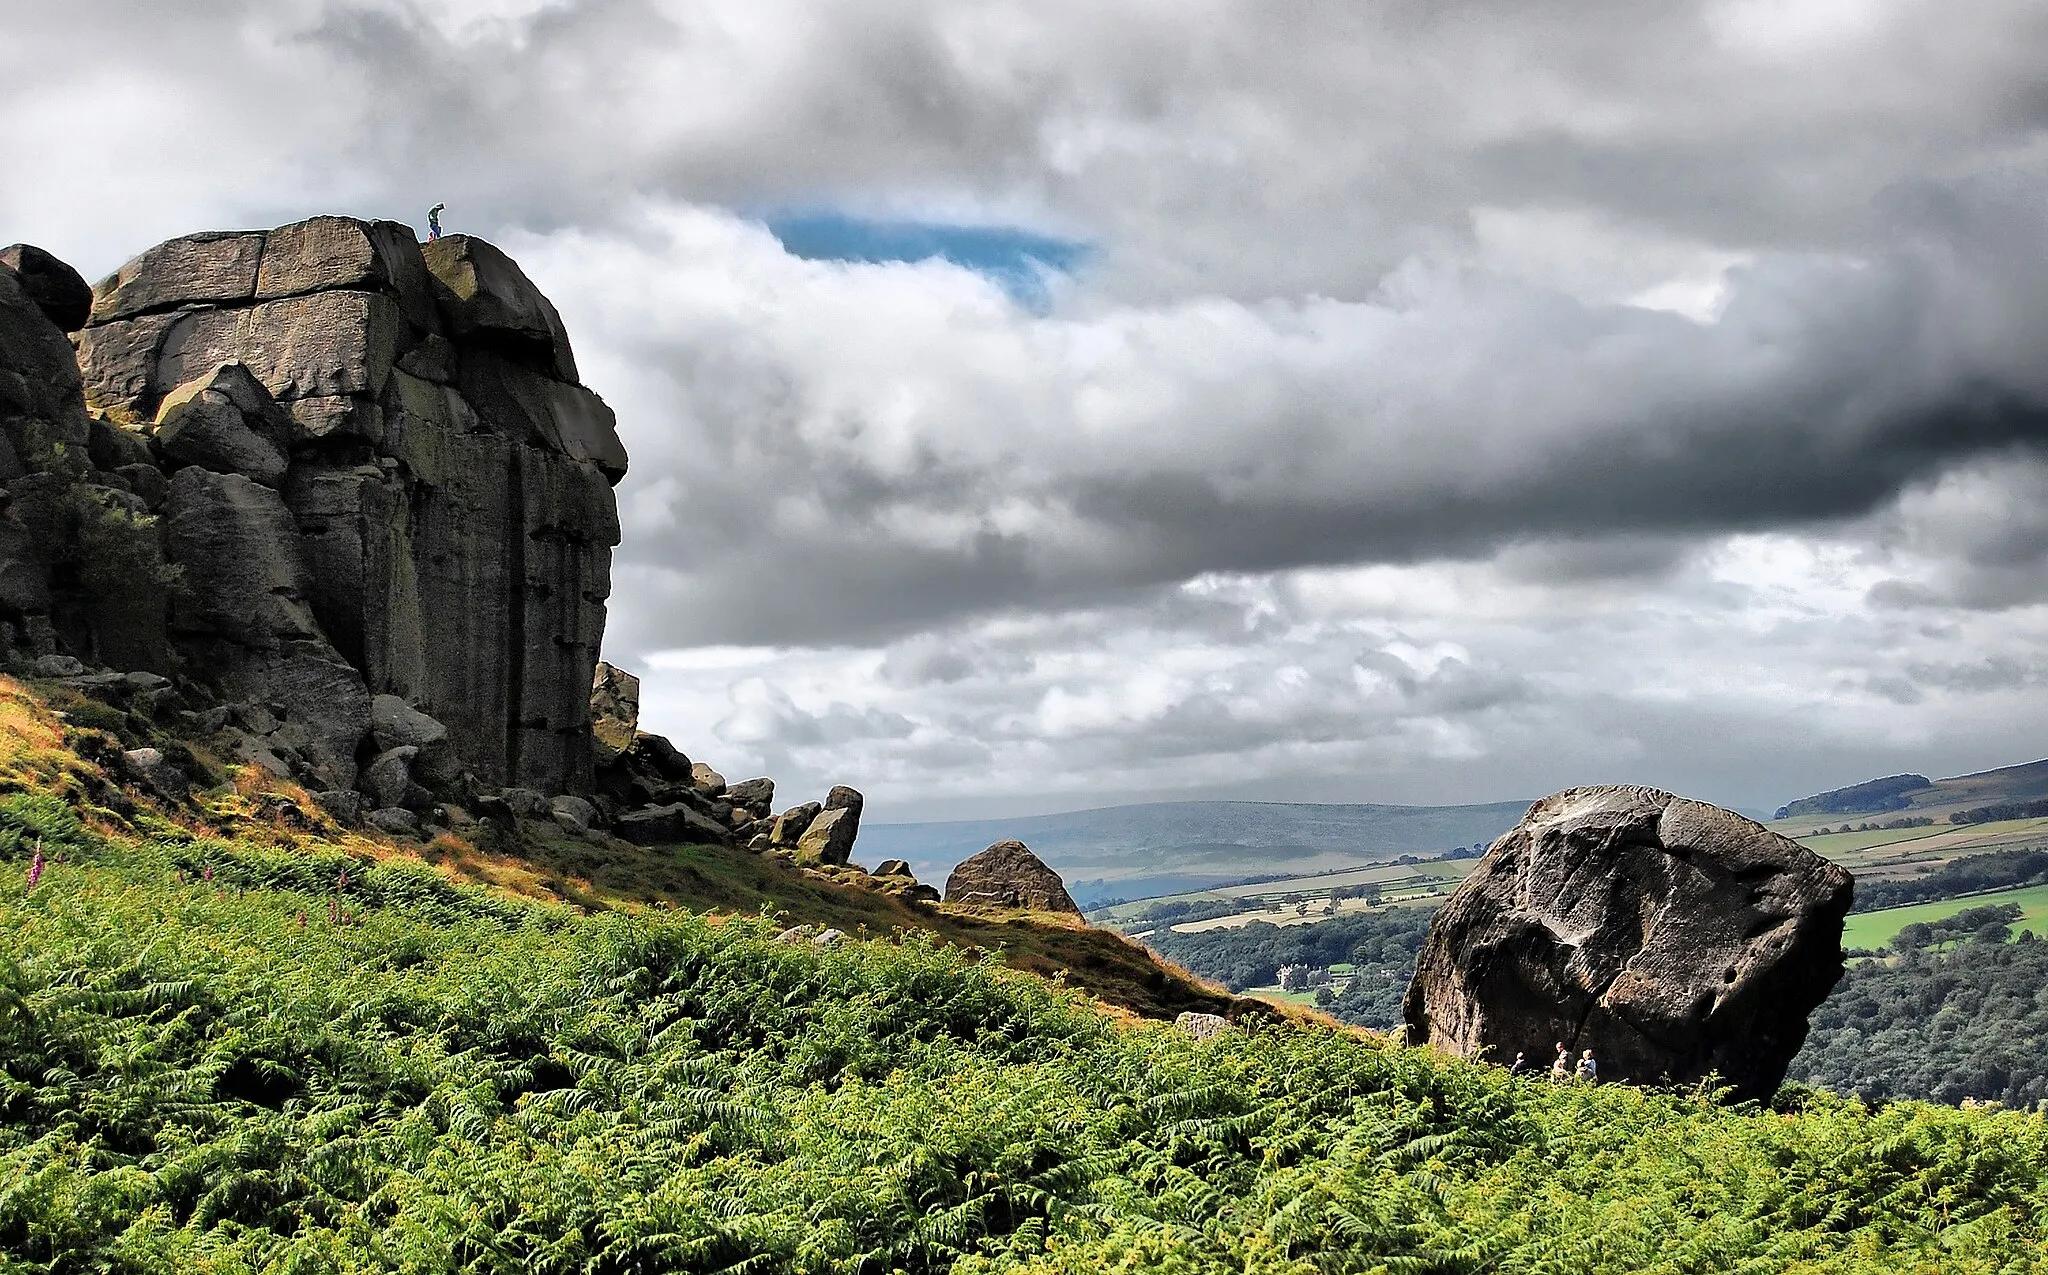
1588,1070
434,222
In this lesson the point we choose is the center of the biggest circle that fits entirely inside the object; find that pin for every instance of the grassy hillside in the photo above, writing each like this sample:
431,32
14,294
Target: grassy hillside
1938,799
1167,847
219,1058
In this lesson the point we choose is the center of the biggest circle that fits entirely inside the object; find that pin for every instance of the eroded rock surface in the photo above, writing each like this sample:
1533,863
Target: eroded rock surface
1672,938
312,466
1008,875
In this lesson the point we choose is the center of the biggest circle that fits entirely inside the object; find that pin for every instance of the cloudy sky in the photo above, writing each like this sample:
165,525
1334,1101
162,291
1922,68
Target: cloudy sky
1040,405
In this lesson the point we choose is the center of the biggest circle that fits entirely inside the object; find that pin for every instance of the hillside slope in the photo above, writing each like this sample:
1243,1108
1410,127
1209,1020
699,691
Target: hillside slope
1897,796
277,1050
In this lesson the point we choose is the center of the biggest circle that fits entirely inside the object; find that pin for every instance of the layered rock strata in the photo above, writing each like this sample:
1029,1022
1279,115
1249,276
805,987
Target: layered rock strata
313,466
1672,938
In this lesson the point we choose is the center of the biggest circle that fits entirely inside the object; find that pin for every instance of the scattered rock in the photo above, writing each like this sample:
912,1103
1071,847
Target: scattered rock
396,820
343,805
829,838
388,778
614,713
790,825
150,768
794,934
224,420
660,757
526,803
894,868
573,813
676,824
1672,938
1008,875
706,780
60,292
755,796
59,666
1202,1026
397,724
921,893
830,939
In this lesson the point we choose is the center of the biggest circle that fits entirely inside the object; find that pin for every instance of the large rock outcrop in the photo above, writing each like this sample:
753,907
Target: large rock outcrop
316,465
1672,938
1008,875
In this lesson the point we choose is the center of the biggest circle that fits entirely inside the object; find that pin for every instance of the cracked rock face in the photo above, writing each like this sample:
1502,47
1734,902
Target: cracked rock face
433,486
1672,938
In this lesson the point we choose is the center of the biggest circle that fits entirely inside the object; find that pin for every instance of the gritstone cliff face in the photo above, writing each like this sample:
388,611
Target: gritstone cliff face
1672,938
313,466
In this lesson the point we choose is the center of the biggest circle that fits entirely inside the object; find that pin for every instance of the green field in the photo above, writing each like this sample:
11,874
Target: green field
1875,929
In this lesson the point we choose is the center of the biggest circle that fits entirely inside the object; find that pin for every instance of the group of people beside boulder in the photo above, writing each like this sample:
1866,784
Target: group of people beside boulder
1562,1068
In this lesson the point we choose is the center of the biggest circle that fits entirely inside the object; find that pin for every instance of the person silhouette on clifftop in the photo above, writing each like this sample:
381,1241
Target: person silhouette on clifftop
434,222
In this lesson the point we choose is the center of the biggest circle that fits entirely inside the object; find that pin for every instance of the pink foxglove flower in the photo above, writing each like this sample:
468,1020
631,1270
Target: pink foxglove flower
35,867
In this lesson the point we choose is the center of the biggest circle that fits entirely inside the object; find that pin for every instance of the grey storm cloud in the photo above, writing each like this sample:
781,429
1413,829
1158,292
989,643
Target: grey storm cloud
1064,460
1473,396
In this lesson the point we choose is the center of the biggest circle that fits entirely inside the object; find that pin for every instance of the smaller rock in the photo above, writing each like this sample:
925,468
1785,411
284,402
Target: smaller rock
1008,875
154,771
922,893
343,805
830,939
1202,1026
707,781
794,934
755,796
829,839
760,842
388,778
525,803
843,798
676,824
790,825
144,681
225,421
396,820
60,292
397,724
894,868
661,757
573,813
59,666
614,713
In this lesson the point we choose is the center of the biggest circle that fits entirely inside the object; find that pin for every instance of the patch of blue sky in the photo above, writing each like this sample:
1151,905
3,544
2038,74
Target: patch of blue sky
1023,262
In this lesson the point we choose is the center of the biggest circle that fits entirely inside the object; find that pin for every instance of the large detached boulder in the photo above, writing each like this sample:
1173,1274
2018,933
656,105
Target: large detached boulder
1672,938
1008,875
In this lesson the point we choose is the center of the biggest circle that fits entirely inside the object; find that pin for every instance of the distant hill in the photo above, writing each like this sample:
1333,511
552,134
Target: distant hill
1917,795
1876,796
1169,847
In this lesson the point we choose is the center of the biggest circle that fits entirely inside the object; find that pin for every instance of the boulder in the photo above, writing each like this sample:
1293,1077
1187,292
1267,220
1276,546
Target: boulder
573,813
397,724
755,796
487,298
707,781
1008,875
224,420
394,820
669,825
789,826
614,713
659,757
1202,1026
1672,938
388,781
60,292
894,868
829,838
